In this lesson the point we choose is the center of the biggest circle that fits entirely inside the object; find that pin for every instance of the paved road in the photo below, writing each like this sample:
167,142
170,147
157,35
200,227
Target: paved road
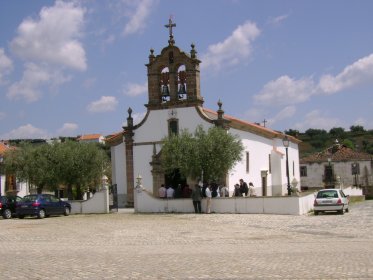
125,245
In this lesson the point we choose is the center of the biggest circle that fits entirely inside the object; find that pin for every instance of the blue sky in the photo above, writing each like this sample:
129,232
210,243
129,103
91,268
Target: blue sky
74,67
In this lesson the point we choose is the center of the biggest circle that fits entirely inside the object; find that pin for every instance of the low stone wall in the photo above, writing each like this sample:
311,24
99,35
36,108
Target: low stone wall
97,204
145,202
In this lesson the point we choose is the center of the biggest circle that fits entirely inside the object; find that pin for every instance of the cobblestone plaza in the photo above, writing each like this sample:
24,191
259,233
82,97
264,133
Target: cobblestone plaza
125,245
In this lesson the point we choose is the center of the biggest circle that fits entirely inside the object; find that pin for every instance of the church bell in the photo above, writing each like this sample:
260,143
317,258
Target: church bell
165,90
181,91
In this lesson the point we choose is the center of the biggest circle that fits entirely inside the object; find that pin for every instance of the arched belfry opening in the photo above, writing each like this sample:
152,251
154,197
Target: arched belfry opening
173,77
182,83
165,84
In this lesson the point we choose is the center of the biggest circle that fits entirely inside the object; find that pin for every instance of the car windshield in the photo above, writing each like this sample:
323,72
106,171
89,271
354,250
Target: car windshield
30,198
327,194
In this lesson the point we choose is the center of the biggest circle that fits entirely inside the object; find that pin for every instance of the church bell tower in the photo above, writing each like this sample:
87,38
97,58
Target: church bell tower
173,77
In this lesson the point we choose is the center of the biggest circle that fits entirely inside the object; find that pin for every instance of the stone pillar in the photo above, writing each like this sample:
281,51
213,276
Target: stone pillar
128,138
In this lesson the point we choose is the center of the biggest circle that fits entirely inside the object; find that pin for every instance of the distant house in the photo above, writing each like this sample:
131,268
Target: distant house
92,138
336,166
9,185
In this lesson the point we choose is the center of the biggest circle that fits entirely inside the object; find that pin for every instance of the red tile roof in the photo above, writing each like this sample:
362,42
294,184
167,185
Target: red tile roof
337,152
89,137
3,148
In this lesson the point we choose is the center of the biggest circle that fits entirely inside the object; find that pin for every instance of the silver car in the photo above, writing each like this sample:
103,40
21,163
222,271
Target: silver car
331,200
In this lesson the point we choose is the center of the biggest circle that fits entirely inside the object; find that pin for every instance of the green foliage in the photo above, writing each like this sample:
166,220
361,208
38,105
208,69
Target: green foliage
50,165
348,143
292,132
357,128
213,152
337,132
315,132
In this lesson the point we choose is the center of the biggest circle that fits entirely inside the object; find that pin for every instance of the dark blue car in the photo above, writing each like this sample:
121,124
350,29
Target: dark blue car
41,206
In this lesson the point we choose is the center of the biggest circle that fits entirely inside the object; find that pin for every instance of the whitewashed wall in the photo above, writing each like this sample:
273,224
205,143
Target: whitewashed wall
97,204
156,128
145,202
118,157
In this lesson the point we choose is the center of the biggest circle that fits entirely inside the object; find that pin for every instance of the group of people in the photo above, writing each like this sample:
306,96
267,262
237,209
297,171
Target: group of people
207,191
242,189
170,192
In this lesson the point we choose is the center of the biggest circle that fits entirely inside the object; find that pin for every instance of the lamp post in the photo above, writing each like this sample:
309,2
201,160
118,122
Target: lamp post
286,143
329,173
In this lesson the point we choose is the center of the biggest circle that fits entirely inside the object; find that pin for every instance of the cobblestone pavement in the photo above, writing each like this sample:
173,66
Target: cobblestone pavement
125,245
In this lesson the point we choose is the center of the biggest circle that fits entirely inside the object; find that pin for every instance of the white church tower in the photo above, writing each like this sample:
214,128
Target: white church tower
175,103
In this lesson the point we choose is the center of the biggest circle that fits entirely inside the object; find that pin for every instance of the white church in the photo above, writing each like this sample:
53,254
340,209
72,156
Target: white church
175,103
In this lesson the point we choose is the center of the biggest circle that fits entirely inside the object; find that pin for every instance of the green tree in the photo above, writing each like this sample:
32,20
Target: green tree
292,132
357,128
33,164
312,132
73,164
81,166
337,132
212,153
348,143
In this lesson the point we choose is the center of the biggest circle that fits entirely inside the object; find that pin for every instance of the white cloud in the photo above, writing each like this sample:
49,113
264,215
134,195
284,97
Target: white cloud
286,90
34,77
232,50
6,65
317,119
26,132
53,37
133,90
357,73
140,11
68,129
278,20
285,113
105,104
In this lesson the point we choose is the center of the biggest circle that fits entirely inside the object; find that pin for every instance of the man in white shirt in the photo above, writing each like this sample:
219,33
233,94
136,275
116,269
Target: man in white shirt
170,192
208,200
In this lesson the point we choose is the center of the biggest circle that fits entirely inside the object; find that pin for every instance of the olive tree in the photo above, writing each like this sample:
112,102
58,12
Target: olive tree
210,153
72,164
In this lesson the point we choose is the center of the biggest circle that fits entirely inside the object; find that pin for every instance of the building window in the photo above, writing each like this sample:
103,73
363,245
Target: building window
303,171
355,168
269,164
247,162
173,127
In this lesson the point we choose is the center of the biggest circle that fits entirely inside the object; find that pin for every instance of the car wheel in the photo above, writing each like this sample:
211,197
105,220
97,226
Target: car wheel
21,216
41,214
341,212
7,214
316,213
347,210
67,211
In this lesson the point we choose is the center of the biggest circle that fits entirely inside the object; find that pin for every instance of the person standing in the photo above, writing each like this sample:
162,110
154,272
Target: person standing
244,189
170,192
251,190
162,192
208,199
197,197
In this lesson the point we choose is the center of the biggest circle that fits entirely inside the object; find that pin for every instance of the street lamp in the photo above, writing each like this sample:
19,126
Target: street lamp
286,143
330,172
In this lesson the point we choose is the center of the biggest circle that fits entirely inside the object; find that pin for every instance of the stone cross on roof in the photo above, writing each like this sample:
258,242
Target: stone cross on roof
169,26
